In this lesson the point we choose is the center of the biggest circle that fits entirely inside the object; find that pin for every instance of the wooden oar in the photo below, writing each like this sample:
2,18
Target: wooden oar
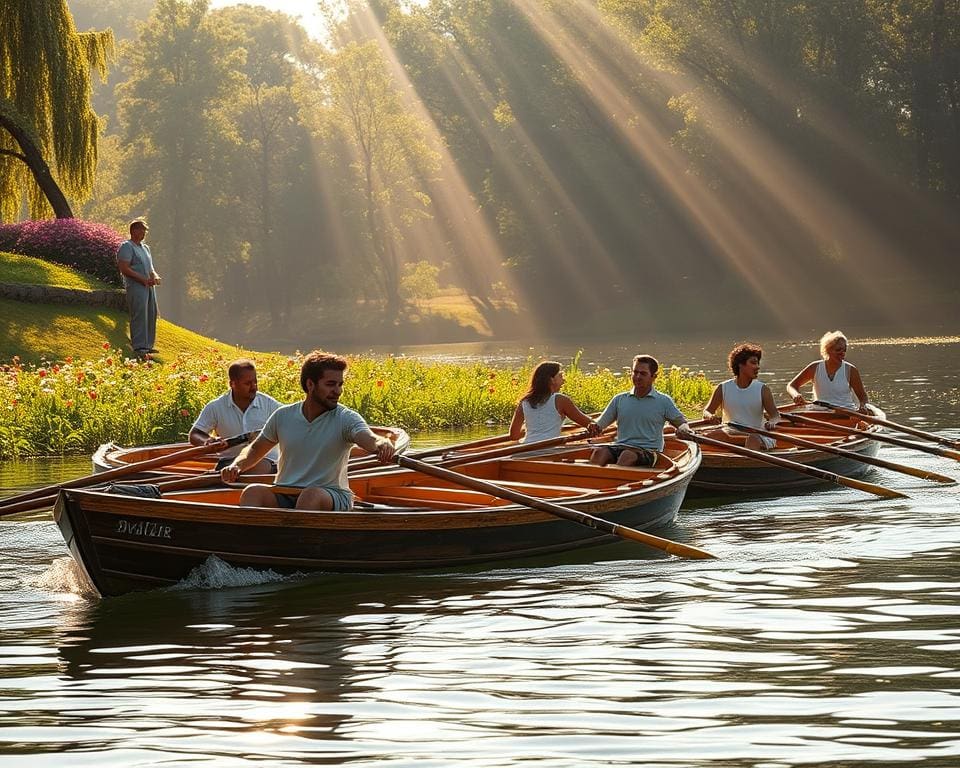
440,450
511,450
597,523
173,483
872,460
879,437
112,474
822,474
939,439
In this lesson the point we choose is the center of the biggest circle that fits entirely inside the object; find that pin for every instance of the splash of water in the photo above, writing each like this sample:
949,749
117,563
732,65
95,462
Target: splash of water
215,573
64,575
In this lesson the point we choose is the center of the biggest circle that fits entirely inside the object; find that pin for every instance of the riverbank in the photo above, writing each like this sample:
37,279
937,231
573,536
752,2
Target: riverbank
75,405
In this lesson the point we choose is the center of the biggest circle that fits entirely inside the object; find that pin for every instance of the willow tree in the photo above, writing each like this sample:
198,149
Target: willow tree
48,130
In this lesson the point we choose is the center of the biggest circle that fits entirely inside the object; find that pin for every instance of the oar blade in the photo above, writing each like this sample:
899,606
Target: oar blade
877,490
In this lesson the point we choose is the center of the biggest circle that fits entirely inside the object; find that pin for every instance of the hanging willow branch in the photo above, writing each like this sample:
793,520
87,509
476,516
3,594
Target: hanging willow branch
45,88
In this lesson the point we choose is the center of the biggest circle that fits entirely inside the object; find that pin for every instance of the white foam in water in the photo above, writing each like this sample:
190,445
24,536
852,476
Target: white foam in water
64,575
217,574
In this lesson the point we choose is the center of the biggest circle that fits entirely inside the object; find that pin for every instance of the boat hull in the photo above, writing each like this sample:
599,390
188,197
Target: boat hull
721,472
127,543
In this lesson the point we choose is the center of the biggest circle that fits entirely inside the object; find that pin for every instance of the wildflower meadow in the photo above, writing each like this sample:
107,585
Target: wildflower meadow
72,406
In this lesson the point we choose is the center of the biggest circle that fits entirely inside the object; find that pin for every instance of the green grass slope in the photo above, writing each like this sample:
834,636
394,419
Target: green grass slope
52,332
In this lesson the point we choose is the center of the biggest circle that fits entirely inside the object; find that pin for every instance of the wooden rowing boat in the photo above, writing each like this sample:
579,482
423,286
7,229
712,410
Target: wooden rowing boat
111,456
726,472
404,521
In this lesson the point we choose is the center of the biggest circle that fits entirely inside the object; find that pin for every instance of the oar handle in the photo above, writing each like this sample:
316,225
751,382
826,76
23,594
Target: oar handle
597,523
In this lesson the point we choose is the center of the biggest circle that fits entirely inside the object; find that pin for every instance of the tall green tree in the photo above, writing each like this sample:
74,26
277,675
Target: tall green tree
48,130
267,167
179,71
390,157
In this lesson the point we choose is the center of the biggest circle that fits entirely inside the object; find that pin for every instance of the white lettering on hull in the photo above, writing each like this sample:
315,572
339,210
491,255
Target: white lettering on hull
148,529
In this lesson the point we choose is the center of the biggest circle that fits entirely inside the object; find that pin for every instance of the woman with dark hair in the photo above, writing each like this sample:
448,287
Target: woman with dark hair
744,399
542,409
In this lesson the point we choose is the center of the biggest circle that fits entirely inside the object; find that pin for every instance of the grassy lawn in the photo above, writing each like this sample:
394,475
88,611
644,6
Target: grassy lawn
28,271
53,332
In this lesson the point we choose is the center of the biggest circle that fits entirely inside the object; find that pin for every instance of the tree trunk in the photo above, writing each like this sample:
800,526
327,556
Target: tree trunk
38,167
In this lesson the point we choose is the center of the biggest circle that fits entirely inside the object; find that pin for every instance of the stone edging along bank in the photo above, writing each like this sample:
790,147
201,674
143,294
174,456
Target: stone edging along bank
45,294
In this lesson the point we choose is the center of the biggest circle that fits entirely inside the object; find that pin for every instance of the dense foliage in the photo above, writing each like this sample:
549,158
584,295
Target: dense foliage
682,164
48,129
88,247
73,406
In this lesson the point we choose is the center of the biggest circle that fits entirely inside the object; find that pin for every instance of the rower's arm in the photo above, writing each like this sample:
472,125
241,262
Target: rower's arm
381,446
715,404
856,384
804,377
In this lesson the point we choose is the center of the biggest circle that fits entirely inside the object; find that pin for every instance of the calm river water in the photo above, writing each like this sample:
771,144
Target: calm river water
828,633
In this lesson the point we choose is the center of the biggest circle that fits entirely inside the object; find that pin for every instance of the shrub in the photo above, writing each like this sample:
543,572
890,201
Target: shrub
82,245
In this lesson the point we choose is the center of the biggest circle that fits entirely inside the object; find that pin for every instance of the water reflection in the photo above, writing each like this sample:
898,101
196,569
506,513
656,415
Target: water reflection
828,633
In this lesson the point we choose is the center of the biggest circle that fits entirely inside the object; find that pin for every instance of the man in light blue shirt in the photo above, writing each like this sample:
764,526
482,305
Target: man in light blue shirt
135,263
315,437
640,415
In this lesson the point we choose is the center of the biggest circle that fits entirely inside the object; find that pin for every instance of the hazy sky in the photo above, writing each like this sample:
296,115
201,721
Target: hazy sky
305,10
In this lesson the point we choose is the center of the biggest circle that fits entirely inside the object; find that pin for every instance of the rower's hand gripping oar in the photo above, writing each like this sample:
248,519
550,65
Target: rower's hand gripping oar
18,503
872,460
946,441
597,523
822,474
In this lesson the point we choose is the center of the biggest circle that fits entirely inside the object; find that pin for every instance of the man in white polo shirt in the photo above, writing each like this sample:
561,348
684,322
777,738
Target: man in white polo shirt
315,437
240,410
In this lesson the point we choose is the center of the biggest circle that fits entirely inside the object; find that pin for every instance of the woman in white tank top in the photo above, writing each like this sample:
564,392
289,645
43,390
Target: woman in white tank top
540,413
744,399
835,381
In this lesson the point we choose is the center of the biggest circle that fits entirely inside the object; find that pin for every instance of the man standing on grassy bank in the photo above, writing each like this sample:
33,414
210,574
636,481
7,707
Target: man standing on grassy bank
315,437
240,410
136,265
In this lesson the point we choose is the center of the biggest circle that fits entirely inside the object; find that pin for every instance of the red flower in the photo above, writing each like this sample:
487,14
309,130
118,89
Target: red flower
203,377
106,345
69,403
109,361
41,373
68,359
380,382
184,412
93,394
